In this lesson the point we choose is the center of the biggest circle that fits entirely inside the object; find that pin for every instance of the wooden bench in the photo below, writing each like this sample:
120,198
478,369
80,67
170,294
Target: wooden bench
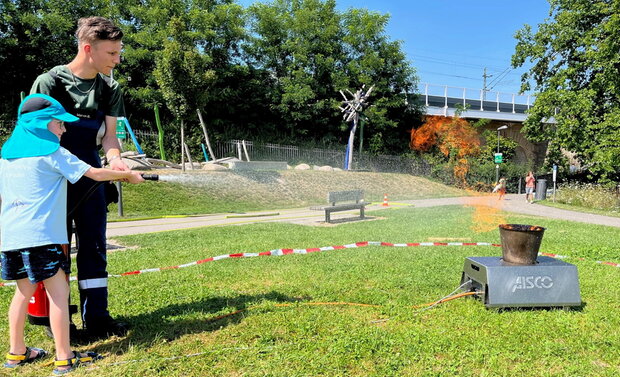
344,201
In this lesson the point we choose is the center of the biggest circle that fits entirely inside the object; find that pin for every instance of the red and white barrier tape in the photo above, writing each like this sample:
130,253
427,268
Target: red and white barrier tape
280,252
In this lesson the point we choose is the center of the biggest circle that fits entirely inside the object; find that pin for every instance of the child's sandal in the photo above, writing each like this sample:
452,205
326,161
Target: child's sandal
74,362
25,358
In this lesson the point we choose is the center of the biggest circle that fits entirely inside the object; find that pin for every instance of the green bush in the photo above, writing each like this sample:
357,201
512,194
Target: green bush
481,175
589,195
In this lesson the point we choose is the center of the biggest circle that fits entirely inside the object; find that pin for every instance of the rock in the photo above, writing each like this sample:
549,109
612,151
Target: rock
302,167
214,167
193,166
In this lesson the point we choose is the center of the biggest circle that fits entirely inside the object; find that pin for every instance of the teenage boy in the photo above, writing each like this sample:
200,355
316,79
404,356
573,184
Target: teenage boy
34,171
84,89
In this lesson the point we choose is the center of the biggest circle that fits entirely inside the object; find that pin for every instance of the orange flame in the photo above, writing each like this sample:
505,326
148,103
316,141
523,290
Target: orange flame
487,213
454,137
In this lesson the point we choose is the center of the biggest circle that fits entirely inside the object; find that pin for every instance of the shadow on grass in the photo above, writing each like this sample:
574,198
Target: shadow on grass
164,324
579,309
344,220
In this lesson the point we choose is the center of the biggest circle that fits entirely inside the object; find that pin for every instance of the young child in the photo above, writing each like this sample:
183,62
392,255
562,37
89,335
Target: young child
500,188
34,171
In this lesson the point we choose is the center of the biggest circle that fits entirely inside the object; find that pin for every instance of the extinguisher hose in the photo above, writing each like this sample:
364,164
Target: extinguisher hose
85,196
91,190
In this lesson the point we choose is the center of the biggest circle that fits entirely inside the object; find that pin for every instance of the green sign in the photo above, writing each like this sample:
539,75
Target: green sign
498,158
121,133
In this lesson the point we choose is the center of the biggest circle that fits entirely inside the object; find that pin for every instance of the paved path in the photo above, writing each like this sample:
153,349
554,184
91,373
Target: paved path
513,203
517,204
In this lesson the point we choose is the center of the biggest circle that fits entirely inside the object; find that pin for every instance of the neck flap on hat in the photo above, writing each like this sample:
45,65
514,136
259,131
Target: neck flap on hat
31,137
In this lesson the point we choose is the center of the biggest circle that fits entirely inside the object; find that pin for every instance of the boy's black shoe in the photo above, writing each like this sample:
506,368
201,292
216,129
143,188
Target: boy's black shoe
105,327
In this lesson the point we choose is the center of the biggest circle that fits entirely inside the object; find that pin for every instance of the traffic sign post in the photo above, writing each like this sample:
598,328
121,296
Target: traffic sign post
121,134
555,173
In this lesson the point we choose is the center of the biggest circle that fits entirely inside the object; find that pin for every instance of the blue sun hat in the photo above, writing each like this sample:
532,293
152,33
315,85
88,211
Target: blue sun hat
31,138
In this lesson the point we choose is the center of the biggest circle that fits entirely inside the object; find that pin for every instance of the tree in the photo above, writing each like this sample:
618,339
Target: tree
576,60
372,59
35,35
311,51
298,43
184,54
270,72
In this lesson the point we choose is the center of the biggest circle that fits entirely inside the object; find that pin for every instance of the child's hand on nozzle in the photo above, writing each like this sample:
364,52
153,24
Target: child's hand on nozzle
135,177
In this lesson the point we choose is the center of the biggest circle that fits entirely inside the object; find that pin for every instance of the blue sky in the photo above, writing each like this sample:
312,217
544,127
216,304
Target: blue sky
450,42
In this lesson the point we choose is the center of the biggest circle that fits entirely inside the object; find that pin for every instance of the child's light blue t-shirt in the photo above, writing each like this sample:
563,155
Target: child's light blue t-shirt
34,198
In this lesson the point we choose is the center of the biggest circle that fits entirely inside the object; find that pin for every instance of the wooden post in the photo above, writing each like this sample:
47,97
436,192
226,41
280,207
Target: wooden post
182,148
189,157
204,130
247,157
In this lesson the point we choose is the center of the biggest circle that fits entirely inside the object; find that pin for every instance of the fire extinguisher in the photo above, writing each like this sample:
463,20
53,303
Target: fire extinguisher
39,306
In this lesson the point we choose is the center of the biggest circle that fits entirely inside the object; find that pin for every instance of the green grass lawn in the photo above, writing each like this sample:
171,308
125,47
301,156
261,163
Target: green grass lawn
200,192
550,203
172,311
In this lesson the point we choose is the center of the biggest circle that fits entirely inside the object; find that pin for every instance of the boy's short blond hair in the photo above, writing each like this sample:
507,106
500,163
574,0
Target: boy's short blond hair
94,29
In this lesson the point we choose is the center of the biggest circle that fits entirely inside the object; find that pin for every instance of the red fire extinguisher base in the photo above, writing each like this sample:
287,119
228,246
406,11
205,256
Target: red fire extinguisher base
39,308
45,320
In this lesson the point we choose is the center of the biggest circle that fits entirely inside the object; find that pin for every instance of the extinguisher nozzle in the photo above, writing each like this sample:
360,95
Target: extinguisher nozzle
151,177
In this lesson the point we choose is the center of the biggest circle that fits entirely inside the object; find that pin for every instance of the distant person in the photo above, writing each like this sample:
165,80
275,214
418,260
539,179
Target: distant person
85,89
530,181
34,170
500,188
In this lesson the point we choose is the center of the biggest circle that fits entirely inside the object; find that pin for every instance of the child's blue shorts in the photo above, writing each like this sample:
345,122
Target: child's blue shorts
35,263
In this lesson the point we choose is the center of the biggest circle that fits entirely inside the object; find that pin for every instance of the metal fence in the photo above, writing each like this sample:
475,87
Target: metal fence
146,135
478,99
294,155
